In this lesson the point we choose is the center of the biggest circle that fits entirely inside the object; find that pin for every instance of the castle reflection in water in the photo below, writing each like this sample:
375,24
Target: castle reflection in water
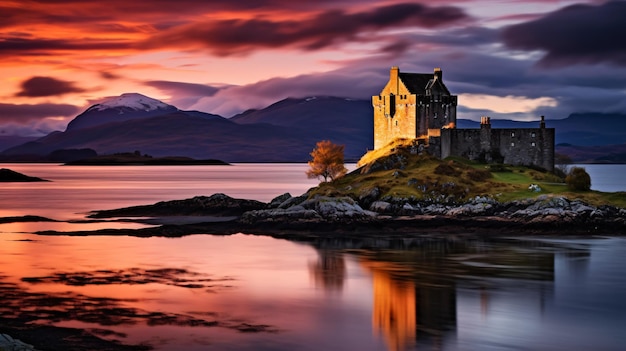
416,282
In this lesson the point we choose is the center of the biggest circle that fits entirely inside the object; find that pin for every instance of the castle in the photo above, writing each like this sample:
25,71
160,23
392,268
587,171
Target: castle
419,106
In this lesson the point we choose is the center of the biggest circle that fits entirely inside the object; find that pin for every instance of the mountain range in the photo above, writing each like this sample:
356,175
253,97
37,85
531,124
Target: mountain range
285,131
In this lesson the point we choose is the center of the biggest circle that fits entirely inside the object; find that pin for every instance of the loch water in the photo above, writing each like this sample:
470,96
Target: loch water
248,292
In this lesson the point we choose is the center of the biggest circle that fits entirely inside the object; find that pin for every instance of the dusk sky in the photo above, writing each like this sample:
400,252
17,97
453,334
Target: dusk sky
505,59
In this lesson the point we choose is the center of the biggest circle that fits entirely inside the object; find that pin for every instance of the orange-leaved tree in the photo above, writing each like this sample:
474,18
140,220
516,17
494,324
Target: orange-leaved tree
327,161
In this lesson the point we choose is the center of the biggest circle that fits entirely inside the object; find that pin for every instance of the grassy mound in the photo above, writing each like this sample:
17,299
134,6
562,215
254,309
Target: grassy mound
397,171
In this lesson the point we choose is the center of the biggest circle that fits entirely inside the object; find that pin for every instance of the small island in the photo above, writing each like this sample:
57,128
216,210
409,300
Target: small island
137,159
397,192
10,176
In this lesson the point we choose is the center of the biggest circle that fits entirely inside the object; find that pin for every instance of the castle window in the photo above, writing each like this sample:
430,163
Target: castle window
397,124
512,144
532,135
512,134
532,144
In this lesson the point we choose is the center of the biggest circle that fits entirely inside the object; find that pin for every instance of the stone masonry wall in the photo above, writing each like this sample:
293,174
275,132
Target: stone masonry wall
528,146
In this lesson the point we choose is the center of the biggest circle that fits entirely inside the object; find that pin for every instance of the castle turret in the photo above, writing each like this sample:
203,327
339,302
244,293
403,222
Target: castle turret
438,74
394,79
485,122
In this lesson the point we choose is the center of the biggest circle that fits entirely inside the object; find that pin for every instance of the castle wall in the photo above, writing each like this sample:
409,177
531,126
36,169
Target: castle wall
528,146
440,112
411,116
394,117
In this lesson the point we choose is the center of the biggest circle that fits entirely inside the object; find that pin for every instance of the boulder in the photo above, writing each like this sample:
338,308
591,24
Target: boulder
292,201
368,196
380,207
319,207
278,200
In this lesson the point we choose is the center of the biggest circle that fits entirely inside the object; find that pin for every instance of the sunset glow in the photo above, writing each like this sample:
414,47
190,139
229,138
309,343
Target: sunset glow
57,58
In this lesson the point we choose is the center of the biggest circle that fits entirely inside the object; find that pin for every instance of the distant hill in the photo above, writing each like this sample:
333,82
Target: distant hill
256,136
594,154
7,141
285,131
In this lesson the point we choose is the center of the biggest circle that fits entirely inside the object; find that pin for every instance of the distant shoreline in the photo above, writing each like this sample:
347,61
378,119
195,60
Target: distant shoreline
132,160
154,163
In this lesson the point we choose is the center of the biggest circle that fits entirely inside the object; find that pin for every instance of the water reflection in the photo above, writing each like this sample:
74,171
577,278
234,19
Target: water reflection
415,284
249,293
394,308
411,300
328,271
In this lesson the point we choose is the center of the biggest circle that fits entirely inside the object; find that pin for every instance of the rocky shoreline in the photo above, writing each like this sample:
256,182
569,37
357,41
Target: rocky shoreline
301,217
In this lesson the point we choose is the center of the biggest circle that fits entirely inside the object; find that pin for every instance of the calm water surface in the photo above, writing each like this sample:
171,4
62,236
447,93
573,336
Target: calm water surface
541,294
245,292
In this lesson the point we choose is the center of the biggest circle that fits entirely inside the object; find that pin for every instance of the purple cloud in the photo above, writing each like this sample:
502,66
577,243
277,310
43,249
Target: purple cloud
575,34
236,36
46,86
191,89
28,113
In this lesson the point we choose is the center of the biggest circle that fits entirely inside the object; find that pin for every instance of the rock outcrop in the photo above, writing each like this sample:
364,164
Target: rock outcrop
215,205
7,175
320,208
7,343
380,214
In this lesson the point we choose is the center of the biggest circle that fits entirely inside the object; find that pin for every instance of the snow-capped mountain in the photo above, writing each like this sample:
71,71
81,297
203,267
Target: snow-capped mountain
133,101
121,108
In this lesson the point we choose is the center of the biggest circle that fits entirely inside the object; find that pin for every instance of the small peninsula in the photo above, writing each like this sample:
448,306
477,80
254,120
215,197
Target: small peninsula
10,176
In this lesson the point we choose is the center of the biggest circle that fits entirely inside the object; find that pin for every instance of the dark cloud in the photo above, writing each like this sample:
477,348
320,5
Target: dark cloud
11,46
183,88
184,95
229,37
25,114
158,14
109,75
465,72
575,34
355,83
46,86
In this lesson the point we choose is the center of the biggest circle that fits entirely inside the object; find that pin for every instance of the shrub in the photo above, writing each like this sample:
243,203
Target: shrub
478,175
447,169
578,179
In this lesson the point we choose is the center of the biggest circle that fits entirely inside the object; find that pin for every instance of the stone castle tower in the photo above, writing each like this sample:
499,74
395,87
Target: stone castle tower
419,106
414,106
